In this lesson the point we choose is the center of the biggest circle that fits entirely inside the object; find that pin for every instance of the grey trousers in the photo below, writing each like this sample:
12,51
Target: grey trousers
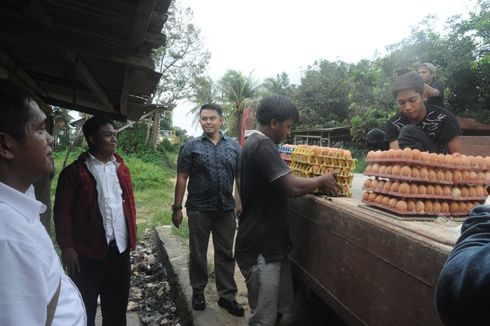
222,225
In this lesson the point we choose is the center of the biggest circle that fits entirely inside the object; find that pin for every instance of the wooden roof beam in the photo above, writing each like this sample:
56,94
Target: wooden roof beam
128,81
86,76
142,21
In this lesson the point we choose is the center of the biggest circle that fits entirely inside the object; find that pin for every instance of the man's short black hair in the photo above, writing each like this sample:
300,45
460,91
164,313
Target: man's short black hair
212,106
14,110
410,80
276,107
92,125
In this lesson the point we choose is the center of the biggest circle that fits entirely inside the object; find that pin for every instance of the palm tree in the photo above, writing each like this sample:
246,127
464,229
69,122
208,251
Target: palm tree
204,91
237,92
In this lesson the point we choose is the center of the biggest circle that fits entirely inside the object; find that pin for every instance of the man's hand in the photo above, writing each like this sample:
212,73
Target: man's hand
329,184
69,257
177,218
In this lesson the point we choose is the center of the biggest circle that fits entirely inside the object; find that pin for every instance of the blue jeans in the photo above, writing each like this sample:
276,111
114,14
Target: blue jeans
270,291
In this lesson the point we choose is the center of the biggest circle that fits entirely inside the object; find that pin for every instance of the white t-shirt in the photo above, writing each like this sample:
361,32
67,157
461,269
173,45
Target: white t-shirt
30,269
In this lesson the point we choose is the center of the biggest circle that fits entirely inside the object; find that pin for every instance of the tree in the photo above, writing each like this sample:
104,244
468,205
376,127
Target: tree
278,85
204,91
322,95
237,92
181,61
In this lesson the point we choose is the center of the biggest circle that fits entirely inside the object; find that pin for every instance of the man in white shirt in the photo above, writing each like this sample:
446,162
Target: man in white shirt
95,219
34,289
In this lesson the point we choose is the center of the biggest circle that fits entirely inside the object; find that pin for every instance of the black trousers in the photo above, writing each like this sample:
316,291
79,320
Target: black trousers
109,278
414,138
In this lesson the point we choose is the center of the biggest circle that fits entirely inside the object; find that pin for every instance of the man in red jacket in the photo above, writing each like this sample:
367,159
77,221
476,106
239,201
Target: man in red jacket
95,219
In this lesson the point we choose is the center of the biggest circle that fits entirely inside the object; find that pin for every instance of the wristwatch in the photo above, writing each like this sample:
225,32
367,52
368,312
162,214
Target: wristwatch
176,207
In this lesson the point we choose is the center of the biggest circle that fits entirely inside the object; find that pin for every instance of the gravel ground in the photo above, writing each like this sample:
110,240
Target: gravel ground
150,294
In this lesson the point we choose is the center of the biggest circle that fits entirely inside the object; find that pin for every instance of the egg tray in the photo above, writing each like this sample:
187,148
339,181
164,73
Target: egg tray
406,213
428,164
413,217
400,195
315,169
331,161
400,177
340,179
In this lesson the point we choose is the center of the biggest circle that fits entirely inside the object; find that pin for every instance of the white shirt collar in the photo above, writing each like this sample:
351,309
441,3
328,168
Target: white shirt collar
21,202
95,160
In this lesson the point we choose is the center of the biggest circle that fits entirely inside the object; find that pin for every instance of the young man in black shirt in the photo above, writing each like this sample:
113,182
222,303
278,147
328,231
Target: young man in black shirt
419,125
433,89
261,248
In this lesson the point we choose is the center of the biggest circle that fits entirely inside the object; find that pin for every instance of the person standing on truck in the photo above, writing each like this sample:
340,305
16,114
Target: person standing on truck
419,125
262,242
463,288
433,89
211,162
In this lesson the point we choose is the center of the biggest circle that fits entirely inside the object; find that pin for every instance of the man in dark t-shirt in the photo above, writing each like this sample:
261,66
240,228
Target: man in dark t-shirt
419,125
433,89
262,242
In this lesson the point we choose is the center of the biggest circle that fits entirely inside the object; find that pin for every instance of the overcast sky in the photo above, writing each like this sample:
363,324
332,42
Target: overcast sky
267,37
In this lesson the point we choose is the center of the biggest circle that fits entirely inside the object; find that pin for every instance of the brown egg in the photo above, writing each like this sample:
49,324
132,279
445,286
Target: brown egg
370,155
385,201
471,192
437,190
416,154
480,177
407,154
445,207
367,183
381,154
372,197
390,153
434,158
392,202
453,207
448,176
441,159
368,169
465,175
473,161
382,169
456,193
430,190
456,161
378,199
422,190
447,190
389,169
380,185
486,179
387,186
432,175
375,168
425,157
419,206
398,153
347,155
462,207
480,161
457,176
415,173
406,171
394,186
395,170
436,208
480,191
440,175
365,196
411,205
448,159
487,162
423,173
404,188
464,192
428,207
465,161
469,206
473,176
401,206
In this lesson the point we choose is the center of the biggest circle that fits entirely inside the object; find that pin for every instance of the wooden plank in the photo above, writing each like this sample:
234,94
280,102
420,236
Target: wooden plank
128,79
369,270
141,22
475,145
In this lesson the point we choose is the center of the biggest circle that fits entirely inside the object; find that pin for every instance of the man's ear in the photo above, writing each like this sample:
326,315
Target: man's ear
7,144
273,123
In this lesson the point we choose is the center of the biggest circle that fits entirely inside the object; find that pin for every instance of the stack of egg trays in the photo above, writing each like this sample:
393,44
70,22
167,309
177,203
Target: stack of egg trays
477,179
305,164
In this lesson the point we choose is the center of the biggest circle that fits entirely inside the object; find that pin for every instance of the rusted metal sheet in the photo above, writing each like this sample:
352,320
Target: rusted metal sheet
370,270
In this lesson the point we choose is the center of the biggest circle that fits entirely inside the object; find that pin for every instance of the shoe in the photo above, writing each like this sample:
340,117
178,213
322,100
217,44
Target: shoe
232,306
198,301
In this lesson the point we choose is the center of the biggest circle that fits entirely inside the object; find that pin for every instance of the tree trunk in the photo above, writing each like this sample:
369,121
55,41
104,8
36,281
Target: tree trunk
155,127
